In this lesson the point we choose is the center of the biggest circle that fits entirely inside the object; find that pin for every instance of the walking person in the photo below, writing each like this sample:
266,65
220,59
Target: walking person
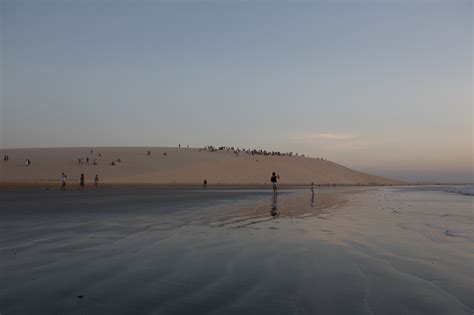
274,180
96,181
63,181
82,182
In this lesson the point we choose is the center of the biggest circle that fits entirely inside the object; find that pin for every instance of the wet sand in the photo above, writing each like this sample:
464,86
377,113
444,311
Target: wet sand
233,251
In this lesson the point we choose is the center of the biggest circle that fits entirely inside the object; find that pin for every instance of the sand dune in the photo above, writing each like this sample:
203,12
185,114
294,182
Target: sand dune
178,166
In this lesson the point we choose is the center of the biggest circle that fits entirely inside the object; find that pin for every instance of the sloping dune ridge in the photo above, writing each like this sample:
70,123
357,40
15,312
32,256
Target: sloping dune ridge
166,165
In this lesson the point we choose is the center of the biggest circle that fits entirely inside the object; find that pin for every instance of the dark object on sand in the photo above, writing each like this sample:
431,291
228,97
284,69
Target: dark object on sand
80,296
113,163
164,154
82,182
204,184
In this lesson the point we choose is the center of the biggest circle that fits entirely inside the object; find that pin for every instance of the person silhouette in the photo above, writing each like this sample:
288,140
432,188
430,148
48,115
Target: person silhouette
63,181
82,182
273,179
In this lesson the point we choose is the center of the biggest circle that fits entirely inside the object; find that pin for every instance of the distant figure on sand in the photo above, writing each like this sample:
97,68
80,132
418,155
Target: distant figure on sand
273,179
148,153
28,162
6,158
96,181
63,181
312,188
81,182
204,184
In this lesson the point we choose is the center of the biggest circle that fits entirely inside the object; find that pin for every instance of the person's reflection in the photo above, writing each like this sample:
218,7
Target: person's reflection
274,210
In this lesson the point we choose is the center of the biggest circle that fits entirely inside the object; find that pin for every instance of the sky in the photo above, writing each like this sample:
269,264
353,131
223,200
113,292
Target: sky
382,87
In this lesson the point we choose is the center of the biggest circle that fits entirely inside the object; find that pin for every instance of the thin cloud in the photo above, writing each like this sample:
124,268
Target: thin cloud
324,136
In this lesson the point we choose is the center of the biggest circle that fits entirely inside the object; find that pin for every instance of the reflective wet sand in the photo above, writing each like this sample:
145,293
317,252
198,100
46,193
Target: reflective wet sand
191,251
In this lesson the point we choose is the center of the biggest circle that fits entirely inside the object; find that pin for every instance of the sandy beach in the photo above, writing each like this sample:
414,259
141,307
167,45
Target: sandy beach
172,166
387,250
236,157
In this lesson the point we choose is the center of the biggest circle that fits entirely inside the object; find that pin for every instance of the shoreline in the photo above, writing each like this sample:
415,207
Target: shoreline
54,184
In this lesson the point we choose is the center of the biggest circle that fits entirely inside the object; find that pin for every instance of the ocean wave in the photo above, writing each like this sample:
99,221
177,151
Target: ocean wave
467,190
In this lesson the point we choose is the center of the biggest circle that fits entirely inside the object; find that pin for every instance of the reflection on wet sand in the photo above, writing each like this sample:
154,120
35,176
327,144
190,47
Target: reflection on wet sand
283,205
274,210
230,257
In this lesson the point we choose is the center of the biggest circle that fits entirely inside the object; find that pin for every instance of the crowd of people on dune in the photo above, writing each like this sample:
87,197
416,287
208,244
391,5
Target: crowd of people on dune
237,151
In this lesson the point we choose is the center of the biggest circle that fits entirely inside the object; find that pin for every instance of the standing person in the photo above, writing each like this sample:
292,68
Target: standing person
312,188
63,181
82,182
273,179
96,181
204,184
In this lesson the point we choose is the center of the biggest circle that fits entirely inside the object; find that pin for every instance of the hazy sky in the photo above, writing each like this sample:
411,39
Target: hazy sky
383,87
